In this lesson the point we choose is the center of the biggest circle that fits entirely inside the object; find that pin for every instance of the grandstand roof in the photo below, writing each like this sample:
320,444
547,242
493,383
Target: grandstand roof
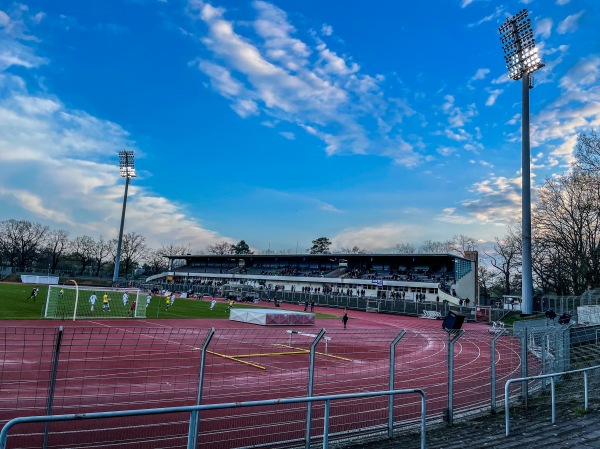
406,261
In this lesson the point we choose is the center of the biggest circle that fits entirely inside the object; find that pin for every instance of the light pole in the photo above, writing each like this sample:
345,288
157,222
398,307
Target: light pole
127,171
522,59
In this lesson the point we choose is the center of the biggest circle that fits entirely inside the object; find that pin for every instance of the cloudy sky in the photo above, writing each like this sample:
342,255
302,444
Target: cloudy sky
277,122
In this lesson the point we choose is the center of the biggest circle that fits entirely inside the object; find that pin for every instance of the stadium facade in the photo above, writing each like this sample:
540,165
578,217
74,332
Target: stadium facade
418,277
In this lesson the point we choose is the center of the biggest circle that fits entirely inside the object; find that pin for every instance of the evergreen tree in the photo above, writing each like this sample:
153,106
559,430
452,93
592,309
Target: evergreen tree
320,246
241,248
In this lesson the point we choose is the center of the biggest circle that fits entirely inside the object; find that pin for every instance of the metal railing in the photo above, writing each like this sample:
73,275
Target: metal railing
552,387
194,409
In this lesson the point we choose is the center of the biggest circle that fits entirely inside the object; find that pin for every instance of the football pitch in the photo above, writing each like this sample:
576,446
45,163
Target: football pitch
15,305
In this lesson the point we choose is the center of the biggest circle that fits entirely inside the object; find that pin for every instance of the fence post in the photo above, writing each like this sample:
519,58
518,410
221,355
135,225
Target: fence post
493,367
311,378
451,341
194,414
543,345
524,392
53,375
585,390
392,381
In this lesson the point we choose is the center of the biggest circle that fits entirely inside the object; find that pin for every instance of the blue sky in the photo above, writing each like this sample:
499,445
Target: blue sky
277,122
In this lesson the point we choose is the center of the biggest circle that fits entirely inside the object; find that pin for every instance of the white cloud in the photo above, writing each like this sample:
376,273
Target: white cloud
562,2
501,79
314,88
459,135
493,96
449,104
514,119
498,201
379,237
585,73
458,117
4,19
497,13
446,151
543,27
449,215
288,135
58,165
480,74
569,24
326,30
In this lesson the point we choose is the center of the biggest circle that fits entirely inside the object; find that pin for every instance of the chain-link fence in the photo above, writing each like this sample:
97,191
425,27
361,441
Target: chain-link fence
80,370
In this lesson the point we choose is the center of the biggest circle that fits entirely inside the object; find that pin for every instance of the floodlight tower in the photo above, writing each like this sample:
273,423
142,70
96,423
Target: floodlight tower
522,59
127,170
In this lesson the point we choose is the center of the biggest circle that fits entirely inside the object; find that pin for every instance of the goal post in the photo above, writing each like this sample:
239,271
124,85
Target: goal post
84,302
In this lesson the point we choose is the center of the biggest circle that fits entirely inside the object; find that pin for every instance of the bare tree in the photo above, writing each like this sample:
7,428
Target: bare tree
567,225
461,244
434,247
22,240
173,250
353,250
486,279
57,243
133,250
156,261
220,248
101,251
83,251
405,248
507,257
587,152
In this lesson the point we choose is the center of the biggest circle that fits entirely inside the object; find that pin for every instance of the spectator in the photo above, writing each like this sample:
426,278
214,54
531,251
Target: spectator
345,318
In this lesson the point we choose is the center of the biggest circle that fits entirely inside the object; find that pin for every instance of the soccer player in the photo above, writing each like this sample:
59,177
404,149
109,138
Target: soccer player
230,306
168,301
34,293
213,303
93,298
125,298
61,294
131,312
105,303
173,298
148,299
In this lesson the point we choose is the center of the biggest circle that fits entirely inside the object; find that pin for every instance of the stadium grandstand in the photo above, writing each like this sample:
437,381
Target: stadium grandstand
410,277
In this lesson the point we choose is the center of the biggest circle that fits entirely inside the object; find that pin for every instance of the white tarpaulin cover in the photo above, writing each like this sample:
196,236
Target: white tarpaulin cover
272,317
588,315
33,279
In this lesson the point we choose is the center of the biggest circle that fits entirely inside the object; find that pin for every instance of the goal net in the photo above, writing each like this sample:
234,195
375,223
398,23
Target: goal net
68,302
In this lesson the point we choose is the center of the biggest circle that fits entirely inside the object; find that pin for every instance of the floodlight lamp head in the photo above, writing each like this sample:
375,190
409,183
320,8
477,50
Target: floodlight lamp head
521,55
126,164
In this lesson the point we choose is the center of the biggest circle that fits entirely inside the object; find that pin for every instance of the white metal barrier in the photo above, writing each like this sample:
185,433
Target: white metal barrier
553,398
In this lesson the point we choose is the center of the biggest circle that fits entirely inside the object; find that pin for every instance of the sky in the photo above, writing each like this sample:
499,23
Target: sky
278,122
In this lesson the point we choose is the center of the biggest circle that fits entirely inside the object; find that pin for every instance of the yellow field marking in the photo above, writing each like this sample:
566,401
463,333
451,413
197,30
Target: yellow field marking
271,354
319,353
236,360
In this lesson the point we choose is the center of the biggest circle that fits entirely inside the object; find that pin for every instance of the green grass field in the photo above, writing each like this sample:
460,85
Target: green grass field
14,305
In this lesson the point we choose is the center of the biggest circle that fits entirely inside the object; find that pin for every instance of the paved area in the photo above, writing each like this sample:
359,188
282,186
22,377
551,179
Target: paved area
530,429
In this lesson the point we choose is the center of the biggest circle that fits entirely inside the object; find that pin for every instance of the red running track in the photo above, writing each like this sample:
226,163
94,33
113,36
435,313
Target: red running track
126,364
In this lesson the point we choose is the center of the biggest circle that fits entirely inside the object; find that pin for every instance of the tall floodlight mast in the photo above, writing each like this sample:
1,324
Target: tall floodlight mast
127,171
522,59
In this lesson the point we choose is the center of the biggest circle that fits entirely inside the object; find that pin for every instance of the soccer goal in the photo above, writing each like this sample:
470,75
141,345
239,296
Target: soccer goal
71,302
